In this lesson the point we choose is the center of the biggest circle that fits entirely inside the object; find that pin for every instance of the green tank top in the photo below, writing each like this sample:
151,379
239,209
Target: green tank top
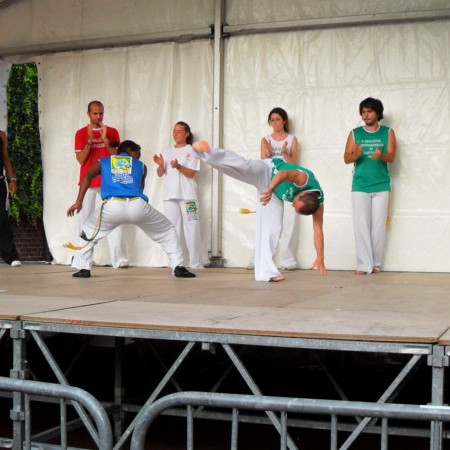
371,175
287,190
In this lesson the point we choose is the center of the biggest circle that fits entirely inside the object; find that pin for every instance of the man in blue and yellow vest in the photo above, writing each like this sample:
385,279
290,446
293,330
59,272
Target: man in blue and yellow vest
122,186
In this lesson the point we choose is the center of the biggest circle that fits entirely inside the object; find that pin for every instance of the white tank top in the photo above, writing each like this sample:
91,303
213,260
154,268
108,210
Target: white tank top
277,145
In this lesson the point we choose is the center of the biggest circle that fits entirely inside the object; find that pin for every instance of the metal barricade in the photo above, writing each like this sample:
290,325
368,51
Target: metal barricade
102,436
332,408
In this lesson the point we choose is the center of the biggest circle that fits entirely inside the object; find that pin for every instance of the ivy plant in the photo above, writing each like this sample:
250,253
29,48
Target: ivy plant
24,144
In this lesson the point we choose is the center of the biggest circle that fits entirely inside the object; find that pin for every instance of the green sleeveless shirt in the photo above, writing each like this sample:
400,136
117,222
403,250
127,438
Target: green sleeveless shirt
371,175
287,190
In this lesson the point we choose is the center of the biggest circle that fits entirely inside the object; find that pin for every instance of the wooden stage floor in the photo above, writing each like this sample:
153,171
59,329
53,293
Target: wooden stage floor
386,307
392,312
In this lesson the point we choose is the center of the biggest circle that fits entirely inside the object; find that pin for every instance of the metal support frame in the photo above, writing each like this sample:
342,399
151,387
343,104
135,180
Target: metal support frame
257,392
63,381
387,396
18,372
164,381
438,360
339,22
209,340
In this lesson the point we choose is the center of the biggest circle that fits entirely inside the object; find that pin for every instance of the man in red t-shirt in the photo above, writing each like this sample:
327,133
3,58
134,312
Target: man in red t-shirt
92,142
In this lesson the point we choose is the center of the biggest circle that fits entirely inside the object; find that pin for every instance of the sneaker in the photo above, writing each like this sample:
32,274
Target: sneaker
16,263
182,272
83,273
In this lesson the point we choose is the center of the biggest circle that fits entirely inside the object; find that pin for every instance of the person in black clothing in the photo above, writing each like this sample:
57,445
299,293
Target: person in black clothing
8,249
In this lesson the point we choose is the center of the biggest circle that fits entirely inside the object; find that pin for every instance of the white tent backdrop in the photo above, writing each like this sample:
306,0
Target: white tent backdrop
319,76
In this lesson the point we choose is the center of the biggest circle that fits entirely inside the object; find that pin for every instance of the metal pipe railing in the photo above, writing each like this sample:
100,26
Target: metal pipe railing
332,408
72,393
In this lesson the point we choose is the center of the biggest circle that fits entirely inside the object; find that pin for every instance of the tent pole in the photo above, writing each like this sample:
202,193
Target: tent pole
215,253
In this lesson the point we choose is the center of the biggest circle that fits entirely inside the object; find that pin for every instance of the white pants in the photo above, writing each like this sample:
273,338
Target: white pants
138,212
184,215
369,221
268,218
116,244
288,238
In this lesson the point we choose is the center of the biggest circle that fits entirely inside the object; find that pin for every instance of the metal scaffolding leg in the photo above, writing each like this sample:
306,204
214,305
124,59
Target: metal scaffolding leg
256,391
438,360
18,372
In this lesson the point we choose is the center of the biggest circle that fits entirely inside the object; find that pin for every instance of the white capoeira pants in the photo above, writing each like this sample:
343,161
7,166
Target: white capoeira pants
288,238
256,172
369,220
134,211
116,244
184,215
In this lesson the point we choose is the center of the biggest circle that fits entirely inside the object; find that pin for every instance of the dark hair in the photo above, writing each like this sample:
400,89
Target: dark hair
128,145
95,102
374,104
187,128
284,115
310,204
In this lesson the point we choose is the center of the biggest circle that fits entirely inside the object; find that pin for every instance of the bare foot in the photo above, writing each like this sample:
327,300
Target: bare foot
376,270
201,146
358,272
277,279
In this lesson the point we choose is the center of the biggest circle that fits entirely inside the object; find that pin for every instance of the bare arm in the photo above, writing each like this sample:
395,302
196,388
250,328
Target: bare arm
144,176
8,166
295,176
266,148
83,154
111,148
319,263
186,171
293,156
159,160
352,150
389,156
84,186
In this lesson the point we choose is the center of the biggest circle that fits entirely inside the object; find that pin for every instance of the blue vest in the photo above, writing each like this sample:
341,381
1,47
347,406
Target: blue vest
122,176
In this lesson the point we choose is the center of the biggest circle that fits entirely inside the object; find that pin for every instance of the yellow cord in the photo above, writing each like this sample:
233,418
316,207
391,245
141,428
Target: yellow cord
83,236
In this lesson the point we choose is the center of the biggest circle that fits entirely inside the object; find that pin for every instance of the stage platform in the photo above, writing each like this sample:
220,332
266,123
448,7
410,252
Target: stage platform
389,307
391,312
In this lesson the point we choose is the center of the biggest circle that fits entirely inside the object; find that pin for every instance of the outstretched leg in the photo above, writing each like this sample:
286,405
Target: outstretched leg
251,171
268,217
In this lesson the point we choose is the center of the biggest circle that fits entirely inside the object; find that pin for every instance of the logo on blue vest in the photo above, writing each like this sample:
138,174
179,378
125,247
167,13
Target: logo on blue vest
121,164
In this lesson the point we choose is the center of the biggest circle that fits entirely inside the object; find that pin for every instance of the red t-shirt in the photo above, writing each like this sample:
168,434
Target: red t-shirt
98,149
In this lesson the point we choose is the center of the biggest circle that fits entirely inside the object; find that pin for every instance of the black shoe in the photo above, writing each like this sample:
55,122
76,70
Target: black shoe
182,272
83,273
